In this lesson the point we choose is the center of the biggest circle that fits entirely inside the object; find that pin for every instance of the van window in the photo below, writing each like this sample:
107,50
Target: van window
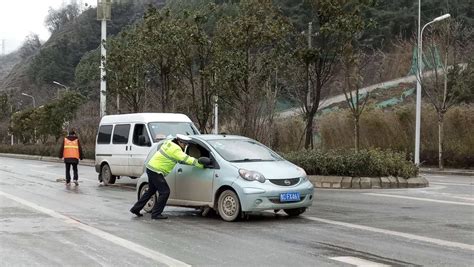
121,133
104,134
160,130
140,130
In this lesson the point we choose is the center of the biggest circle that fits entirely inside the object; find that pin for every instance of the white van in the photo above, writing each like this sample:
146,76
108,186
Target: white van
123,141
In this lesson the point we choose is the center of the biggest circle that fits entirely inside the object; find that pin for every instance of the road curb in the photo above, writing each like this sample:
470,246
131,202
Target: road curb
85,162
340,182
447,172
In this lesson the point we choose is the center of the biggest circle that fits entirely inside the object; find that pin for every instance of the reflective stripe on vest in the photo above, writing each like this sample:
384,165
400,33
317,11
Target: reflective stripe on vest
71,149
172,159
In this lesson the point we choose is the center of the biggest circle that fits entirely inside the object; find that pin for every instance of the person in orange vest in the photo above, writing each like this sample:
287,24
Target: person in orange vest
71,151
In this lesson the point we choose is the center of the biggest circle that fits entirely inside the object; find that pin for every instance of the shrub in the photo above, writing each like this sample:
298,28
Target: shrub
366,163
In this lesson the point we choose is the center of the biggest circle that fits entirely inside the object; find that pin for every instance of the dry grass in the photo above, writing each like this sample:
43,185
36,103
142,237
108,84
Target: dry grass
394,129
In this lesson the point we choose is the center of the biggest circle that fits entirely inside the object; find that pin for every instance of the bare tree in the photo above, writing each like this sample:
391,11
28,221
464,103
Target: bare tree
353,79
30,46
56,19
445,54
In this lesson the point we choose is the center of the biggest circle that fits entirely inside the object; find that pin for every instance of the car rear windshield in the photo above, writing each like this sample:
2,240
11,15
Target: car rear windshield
160,130
235,150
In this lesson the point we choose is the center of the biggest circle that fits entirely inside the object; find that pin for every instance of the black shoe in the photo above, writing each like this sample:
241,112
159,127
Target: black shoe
159,217
136,213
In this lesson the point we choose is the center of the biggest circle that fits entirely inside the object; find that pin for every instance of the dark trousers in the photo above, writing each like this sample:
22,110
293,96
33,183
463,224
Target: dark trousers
156,182
68,170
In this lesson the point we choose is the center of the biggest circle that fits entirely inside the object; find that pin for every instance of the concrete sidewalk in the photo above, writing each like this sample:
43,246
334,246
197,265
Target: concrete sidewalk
85,162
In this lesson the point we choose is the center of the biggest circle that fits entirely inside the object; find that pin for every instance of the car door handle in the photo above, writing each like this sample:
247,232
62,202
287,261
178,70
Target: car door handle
126,148
180,170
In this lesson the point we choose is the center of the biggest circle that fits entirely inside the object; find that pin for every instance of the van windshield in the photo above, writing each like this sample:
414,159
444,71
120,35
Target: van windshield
160,130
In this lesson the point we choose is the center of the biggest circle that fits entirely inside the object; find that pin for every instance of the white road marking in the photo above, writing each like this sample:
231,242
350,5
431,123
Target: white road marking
421,199
41,166
152,254
358,262
435,241
460,184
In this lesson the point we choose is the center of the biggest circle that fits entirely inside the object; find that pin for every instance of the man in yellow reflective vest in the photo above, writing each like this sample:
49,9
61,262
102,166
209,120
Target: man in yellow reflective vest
161,163
71,151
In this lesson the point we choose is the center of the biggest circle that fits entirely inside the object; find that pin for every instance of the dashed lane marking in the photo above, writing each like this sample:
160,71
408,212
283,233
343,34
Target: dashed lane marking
358,261
435,241
144,251
421,199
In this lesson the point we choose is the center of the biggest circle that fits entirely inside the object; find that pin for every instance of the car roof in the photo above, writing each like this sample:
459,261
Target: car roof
144,117
210,137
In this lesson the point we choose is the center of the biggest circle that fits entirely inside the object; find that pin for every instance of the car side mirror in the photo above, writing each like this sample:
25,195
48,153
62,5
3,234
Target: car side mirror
205,161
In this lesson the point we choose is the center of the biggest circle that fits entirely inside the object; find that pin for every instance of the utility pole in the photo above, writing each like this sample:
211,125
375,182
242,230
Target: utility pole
103,14
3,47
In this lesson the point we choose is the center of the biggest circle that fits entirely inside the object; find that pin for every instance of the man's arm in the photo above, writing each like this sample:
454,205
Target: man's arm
183,158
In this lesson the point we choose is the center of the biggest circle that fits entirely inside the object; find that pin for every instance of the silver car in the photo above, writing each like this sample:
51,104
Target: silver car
240,176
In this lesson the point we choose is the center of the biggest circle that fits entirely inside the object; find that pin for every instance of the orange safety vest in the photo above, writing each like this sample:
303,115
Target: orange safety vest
71,149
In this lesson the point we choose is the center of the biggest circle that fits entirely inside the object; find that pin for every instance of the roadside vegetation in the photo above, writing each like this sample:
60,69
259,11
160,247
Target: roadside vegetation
352,163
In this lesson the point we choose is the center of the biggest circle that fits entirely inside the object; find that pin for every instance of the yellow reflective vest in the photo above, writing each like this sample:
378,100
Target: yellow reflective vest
167,156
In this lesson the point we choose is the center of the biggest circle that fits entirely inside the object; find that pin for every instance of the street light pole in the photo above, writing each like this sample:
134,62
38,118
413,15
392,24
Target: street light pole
103,14
11,134
32,97
216,115
418,80
60,84
34,106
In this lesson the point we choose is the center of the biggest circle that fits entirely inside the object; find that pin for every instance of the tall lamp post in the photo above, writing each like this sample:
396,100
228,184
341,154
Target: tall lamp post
418,80
60,84
34,106
103,14
32,97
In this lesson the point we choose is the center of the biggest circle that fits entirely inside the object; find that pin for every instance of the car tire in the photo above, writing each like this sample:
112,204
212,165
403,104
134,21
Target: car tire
106,175
228,206
151,203
294,212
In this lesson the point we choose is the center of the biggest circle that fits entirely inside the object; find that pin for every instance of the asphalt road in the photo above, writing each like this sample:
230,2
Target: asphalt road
43,223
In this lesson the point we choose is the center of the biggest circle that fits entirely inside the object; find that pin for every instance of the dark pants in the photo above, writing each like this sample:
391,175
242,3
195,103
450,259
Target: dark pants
156,182
68,170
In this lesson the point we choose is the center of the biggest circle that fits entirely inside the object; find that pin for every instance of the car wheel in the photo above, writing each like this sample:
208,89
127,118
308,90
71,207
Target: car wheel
151,203
294,212
228,206
106,175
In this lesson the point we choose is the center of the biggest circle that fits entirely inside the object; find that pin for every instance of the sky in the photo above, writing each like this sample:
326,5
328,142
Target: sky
19,18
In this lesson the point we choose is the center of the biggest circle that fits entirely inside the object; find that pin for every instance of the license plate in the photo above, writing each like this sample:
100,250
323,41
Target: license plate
289,197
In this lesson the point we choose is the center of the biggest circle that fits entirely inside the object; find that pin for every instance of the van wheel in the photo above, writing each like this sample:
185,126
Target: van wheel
106,175
151,203
228,206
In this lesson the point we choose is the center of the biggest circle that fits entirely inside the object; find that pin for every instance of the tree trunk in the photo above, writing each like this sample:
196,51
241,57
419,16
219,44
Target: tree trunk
440,139
308,143
356,133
